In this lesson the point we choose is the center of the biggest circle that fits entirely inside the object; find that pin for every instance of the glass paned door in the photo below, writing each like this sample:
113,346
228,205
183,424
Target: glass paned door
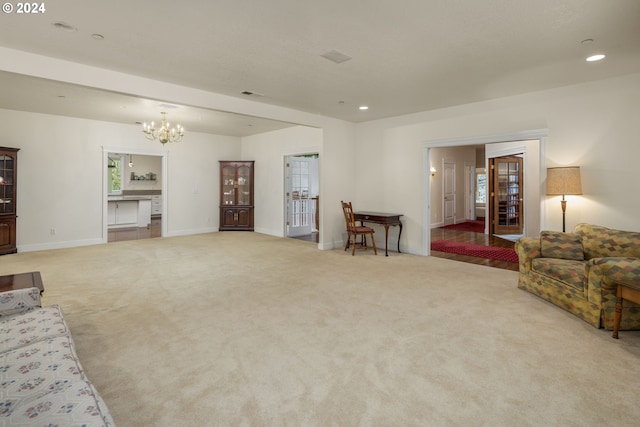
243,185
228,185
7,196
508,195
300,208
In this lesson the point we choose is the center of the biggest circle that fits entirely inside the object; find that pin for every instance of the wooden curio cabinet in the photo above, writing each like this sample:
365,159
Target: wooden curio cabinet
236,196
8,175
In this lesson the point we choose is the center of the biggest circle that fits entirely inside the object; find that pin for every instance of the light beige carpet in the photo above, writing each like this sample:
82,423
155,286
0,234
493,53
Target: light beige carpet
245,329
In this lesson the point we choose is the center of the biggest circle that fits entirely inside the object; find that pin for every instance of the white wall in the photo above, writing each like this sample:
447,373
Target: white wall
334,142
141,166
60,177
593,125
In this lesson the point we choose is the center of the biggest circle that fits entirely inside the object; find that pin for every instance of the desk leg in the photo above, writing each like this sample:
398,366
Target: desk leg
386,239
399,234
618,314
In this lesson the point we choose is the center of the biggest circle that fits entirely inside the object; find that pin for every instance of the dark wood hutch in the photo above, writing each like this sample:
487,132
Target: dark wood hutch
236,195
8,178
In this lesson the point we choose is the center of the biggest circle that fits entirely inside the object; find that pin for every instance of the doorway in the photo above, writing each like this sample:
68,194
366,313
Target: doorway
530,143
301,174
134,195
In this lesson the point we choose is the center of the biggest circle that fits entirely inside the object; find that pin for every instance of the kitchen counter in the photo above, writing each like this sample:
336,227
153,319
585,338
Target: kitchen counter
118,198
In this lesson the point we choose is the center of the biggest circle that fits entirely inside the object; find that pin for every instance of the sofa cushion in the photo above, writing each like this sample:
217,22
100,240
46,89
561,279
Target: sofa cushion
554,244
18,301
30,327
599,242
43,384
569,272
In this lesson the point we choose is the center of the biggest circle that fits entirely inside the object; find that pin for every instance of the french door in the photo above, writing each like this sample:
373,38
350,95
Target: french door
300,205
507,194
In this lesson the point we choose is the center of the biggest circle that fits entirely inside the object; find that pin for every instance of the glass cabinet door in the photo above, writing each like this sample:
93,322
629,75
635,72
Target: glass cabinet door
228,185
244,185
7,191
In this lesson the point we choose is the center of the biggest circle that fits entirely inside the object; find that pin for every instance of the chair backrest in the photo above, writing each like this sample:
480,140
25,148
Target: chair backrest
349,219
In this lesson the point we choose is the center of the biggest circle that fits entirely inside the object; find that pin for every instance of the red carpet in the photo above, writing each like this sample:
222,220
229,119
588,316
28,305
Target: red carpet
490,252
475,226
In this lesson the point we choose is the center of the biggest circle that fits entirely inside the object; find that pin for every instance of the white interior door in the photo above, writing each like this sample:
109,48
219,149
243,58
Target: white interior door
449,192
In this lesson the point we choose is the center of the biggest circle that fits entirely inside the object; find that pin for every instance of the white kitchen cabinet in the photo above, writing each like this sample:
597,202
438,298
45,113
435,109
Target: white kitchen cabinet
122,212
111,213
144,212
156,205
127,212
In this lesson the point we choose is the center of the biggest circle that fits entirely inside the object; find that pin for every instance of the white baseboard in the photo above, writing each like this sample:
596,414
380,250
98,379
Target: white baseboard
192,232
59,245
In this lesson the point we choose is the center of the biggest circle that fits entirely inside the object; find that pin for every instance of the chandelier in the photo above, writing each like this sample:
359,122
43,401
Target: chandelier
164,133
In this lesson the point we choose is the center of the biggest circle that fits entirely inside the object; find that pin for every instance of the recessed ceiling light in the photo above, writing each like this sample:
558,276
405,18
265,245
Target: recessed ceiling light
363,107
97,36
597,57
65,27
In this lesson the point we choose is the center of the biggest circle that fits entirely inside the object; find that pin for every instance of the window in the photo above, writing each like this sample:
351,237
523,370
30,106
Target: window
116,174
481,185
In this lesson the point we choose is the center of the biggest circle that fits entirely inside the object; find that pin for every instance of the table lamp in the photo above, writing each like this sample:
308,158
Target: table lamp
563,181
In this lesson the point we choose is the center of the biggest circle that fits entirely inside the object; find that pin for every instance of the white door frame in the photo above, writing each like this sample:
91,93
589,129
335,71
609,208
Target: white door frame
469,191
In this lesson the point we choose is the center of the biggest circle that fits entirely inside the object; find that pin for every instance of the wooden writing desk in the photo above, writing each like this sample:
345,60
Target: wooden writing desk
384,219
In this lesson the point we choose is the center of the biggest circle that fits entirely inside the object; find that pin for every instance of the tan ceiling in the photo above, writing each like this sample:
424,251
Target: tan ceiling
406,56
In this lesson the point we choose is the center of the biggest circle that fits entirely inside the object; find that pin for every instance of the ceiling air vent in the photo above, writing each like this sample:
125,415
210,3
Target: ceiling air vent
249,93
335,56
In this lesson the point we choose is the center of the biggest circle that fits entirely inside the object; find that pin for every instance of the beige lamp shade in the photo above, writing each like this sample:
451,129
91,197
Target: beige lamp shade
563,181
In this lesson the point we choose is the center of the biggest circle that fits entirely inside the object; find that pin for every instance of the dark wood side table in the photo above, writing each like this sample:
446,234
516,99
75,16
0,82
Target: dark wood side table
627,289
21,281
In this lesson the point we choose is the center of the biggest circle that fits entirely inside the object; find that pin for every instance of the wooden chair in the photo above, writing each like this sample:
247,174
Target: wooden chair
354,230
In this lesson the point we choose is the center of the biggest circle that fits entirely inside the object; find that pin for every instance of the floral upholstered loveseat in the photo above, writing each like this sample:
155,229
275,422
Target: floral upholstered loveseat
578,271
41,380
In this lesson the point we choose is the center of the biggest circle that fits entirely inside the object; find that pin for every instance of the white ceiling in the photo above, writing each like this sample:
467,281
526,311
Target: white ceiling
406,56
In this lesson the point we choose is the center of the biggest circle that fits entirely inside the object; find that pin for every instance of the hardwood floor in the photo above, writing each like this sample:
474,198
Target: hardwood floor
135,233
313,237
477,238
